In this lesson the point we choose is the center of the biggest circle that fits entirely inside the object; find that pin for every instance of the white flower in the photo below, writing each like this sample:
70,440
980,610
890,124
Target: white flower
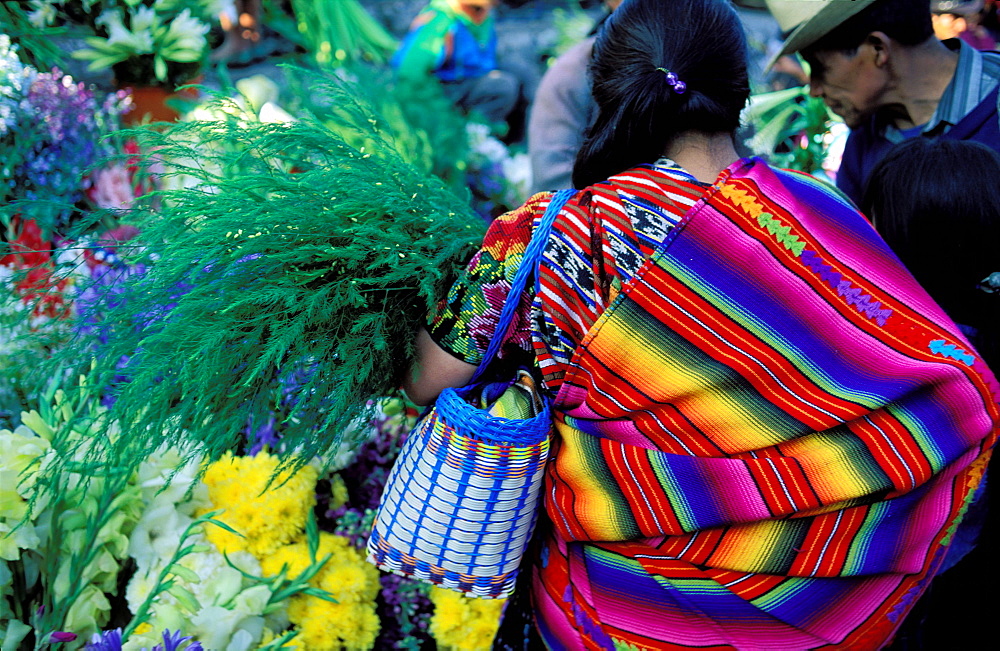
494,150
156,536
835,139
271,112
21,455
120,37
235,627
258,90
145,20
185,38
113,188
476,132
43,15
216,7
12,540
165,481
517,171
14,78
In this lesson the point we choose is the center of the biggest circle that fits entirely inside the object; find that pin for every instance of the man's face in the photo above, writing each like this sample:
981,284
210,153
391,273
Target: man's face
948,25
477,11
850,84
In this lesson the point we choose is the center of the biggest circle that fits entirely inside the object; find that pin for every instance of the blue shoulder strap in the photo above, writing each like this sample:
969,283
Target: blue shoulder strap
529,265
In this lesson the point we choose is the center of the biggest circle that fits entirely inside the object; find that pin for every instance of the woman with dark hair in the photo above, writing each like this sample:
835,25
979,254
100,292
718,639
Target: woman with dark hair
764,428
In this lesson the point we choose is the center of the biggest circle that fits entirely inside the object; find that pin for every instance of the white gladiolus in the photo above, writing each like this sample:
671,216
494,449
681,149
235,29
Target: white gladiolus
140,42
185,38
145,20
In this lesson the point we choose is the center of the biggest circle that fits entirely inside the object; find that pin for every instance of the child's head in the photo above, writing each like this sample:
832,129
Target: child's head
937,204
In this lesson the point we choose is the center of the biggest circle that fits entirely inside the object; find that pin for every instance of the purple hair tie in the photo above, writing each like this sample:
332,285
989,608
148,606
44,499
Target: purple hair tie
674,81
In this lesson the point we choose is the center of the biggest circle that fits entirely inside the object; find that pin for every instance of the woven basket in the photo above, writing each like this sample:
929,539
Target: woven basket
460,505
461,501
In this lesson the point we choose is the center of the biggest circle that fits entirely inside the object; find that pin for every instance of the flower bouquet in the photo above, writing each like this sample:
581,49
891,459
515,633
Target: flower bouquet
145,42
54,134
191,554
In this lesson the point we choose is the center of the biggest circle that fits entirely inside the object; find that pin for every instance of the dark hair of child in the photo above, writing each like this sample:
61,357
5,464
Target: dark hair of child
937,204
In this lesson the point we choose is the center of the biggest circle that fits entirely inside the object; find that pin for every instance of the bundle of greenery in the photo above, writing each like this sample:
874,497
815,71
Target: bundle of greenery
284,282
426,127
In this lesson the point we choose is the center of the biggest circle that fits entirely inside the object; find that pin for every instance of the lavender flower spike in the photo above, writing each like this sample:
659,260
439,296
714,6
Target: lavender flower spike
173,641
106,641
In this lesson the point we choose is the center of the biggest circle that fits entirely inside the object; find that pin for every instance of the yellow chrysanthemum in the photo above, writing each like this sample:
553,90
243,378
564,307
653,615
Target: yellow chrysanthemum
325,626
464,623
267,519
267,637
338,492
351,623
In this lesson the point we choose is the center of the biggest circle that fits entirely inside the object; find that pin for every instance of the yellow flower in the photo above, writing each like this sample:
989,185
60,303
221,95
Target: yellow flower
268,637
267,518
464,623
338,492
351,623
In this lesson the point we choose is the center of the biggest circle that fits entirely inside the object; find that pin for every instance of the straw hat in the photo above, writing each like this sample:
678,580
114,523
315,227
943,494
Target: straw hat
807,21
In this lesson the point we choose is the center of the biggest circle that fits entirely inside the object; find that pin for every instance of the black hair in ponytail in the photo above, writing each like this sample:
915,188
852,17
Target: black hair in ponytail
639,112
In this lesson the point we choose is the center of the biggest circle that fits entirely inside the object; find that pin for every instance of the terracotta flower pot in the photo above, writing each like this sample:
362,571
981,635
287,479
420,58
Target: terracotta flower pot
154,102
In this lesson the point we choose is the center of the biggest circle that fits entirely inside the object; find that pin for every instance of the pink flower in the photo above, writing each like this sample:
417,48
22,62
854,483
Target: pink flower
62,636
112,188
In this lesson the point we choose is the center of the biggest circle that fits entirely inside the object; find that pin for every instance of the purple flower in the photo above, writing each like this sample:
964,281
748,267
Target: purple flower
112,641
173,641
106,641
58,126
261,436
62,636
404,611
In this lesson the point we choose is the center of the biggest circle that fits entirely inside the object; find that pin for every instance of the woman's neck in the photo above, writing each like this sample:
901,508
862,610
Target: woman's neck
704,155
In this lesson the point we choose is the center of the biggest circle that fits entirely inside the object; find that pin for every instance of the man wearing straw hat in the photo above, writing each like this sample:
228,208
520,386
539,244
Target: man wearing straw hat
878,65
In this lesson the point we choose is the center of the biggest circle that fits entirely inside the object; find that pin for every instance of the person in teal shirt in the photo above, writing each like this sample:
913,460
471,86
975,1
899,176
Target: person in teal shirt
455,42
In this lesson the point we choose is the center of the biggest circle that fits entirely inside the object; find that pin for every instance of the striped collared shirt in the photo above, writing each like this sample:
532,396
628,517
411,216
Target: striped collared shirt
976,75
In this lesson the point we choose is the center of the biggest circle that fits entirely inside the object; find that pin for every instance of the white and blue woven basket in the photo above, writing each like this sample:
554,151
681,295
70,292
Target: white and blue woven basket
460,504
458,511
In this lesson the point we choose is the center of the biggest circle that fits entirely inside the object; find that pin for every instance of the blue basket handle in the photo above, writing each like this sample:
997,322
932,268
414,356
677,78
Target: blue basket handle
529,265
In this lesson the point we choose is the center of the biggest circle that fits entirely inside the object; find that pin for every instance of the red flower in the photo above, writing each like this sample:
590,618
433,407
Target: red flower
33,255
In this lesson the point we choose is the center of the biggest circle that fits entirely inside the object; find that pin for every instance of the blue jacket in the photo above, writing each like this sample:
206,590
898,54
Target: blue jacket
866,146
446,45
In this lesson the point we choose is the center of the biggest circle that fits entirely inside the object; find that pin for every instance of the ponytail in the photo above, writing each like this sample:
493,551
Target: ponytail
640,108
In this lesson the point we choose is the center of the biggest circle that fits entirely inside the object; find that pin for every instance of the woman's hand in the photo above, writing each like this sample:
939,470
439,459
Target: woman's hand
434,370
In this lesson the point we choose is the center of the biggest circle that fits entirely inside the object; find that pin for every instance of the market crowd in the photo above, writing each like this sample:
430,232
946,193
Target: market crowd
652,293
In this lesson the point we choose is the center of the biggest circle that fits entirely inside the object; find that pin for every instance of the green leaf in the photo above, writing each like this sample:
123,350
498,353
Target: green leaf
185,573
160,67
185,598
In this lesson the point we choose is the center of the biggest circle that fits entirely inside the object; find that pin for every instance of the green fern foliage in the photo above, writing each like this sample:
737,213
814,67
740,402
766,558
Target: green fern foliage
425,127
285,279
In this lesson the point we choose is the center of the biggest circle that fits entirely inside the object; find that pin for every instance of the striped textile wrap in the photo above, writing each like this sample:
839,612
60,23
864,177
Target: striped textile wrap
765,441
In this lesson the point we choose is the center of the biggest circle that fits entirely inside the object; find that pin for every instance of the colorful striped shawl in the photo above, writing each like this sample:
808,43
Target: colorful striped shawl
764,441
